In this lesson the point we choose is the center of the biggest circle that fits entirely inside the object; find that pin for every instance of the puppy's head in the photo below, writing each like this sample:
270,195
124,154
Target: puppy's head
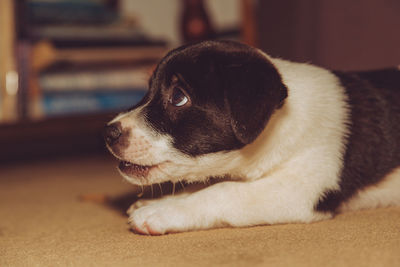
205,101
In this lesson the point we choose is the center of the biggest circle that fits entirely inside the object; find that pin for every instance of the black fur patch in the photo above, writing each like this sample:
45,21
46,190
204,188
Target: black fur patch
233,91
373,148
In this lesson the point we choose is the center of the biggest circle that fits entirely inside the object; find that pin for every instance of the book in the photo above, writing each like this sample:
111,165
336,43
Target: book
85,32
114,35
111,79
70,12
44,54
84,102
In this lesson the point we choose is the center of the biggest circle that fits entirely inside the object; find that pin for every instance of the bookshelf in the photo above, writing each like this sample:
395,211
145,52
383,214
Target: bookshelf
73,55
56,62
63,77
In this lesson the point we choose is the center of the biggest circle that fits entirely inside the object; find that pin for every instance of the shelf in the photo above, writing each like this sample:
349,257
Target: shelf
66,136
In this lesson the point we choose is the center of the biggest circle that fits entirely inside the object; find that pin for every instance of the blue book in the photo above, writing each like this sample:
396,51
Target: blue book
81,102
67,11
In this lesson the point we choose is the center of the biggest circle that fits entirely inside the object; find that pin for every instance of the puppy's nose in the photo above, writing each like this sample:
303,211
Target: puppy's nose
112,132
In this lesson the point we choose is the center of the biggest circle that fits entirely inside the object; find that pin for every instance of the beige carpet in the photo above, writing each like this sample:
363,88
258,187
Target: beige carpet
43,223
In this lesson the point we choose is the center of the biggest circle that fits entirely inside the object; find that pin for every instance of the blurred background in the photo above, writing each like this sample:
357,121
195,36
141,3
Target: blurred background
68,66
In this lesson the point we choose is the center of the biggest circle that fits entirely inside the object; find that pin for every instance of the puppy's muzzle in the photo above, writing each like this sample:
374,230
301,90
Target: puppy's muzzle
112,133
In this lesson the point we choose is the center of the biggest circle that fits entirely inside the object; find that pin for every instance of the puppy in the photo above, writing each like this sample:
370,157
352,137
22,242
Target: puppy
298,143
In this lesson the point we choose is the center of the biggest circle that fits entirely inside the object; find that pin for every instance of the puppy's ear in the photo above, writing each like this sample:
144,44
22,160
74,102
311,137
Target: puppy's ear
253,90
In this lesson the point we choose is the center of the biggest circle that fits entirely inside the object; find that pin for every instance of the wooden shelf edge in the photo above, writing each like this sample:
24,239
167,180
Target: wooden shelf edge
53,137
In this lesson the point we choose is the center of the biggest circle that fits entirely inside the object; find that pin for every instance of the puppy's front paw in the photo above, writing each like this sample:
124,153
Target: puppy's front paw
138,204
157,217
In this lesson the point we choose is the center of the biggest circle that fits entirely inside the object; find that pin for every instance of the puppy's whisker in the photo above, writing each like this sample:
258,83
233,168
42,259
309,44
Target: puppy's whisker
173,188
141,193
183,186
152,191
159,185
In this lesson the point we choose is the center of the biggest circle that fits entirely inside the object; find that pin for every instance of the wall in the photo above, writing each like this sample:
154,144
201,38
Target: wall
346,35
161,17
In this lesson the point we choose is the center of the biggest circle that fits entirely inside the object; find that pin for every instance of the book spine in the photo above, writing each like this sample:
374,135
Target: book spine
66,103
104,80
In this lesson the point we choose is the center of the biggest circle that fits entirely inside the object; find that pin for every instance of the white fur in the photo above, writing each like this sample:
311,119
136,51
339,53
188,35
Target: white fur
276,179
146,146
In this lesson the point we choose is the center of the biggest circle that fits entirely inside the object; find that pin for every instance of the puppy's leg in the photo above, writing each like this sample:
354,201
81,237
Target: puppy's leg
279,198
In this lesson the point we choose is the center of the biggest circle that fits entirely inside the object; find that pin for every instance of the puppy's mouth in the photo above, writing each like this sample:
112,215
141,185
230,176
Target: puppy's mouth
135,170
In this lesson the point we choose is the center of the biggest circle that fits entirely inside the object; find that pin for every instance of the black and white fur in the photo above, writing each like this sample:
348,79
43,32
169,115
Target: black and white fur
298,143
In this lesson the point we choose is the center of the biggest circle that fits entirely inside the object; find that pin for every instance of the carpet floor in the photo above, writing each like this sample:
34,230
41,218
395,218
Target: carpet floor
55,214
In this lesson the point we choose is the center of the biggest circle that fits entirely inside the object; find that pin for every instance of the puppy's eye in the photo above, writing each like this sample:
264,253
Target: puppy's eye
178,98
